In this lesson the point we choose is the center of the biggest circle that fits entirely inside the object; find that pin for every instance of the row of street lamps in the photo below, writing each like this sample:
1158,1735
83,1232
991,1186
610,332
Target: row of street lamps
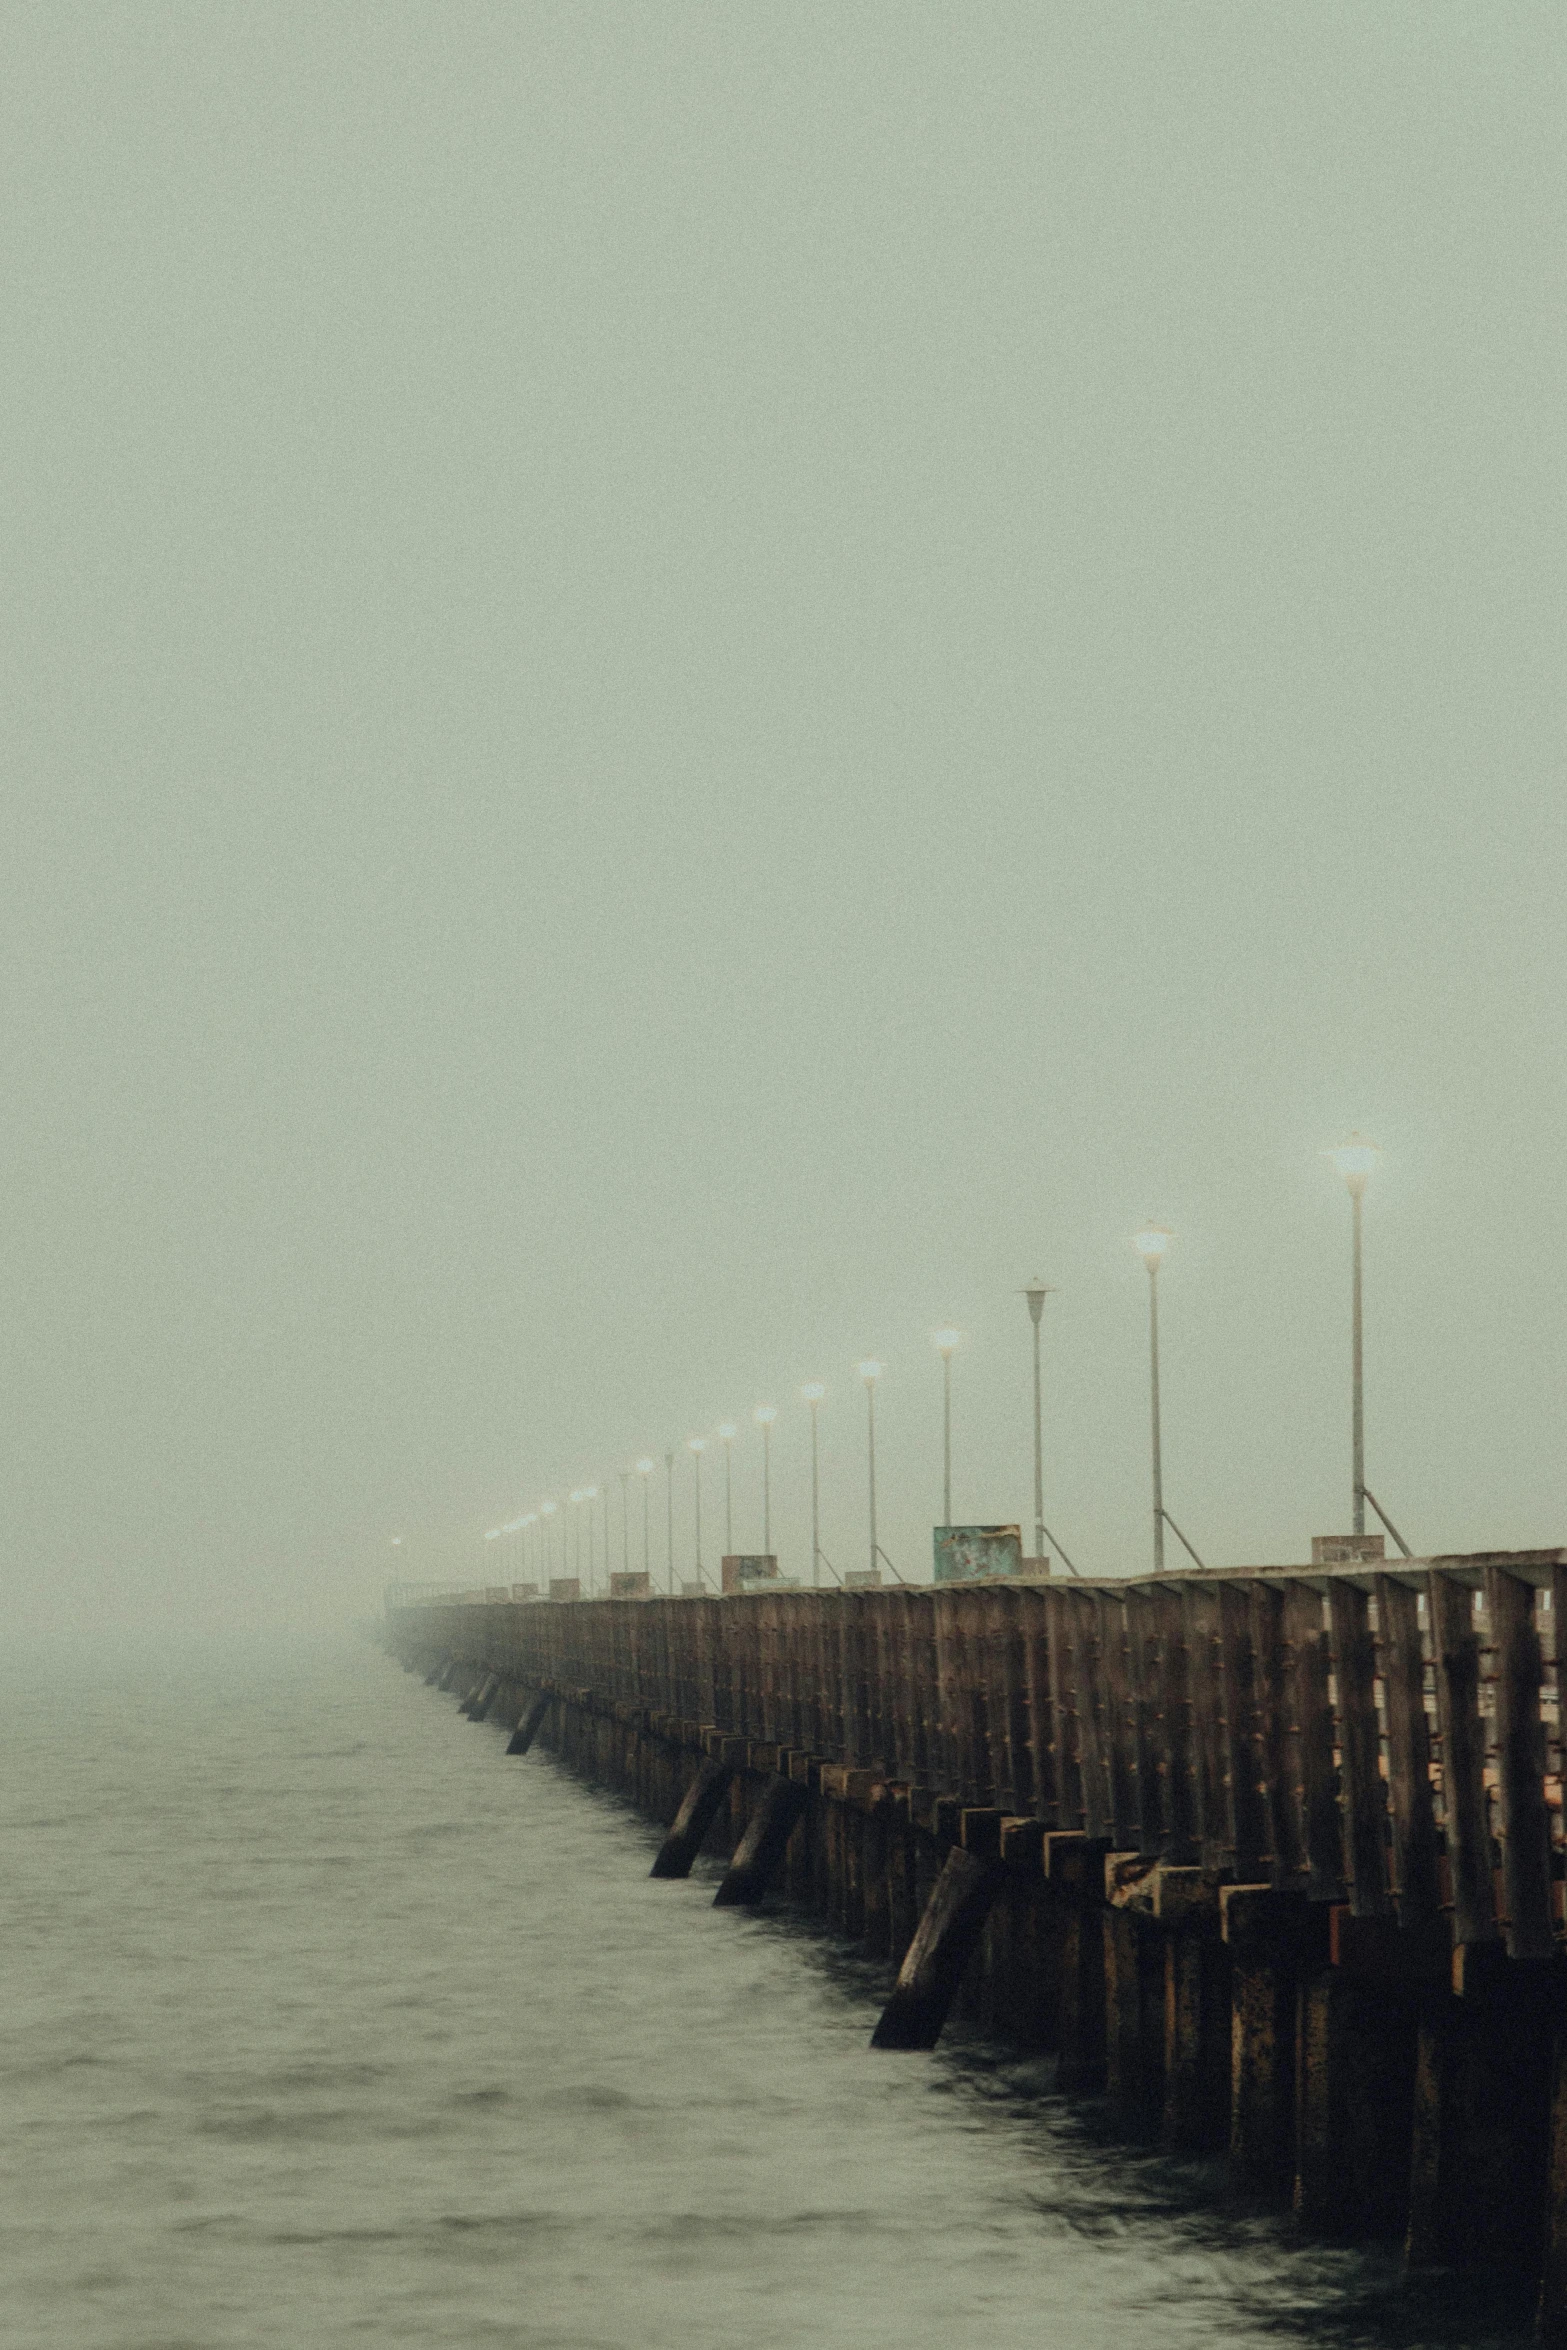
1354,1161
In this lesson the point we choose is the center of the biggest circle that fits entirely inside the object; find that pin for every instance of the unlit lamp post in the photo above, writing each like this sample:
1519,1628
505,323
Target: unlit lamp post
669,1520
1355,1160
729,1432
696,1446
813,1393
764,1416
645,1471
870,1372
945,1342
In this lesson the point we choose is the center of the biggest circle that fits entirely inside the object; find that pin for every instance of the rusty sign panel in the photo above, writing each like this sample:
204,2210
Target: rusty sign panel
629,1584
973,1554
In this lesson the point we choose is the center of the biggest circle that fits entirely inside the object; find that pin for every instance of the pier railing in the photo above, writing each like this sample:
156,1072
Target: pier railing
1384,1737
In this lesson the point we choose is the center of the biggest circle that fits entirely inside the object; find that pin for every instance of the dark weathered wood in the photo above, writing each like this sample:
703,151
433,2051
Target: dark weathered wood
1239,1699
944,1940
1455,1647
1285,1844
692,1821
760,1852
1414,1860
1015,1783
1178,1799
1066,1726
1215,1819
1520,1765
1093,1725
1145,1708
1043,1761
480,1707
1118,1729
1315,1791
1363,1792
528,1728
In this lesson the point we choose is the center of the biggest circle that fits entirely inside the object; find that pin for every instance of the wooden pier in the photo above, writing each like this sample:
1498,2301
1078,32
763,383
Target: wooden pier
1273,1858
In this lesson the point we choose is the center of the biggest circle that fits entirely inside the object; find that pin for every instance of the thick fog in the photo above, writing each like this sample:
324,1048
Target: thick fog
690,686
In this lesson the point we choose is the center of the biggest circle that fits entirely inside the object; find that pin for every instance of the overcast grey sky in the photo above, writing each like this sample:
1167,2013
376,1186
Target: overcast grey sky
689,685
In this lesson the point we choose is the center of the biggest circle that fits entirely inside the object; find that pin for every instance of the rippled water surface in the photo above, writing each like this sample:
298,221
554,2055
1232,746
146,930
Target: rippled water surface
324,2023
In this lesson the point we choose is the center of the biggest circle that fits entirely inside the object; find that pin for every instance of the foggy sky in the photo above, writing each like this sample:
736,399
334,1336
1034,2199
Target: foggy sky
690,685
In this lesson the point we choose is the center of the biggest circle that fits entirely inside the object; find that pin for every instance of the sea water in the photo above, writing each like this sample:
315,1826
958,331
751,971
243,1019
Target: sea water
324,2023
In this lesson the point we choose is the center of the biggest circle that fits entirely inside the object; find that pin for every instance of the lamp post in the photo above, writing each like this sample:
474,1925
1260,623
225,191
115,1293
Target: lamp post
645,1471
696,1446
590,1494
729,1432
1036,1294
625,1521
1354,1160
813,1395
548,1510
576,1533
870,1372
1150,1245
945,1341
669,1519
764,1416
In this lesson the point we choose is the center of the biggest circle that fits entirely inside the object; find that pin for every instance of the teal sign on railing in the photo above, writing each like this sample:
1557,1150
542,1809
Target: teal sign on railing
972,1554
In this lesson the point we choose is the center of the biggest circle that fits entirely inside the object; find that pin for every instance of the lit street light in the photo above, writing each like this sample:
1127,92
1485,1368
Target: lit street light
729,1432
945,1341
696,1446
1036,1294
813,1395
1150,1245
764,1416
645,1471
870,1372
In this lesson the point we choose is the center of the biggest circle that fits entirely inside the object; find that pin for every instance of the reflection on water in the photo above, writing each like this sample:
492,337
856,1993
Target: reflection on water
325,2023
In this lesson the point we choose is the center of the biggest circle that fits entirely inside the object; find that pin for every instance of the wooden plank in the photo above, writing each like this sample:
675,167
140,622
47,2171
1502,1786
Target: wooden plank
1215,1821
1362,1789
1120,1746
1063,1710
1455,1648
1178,1794
1145,1709
1414,1857
1041,1719
1008,1705
1285,1839
1520,1766
1314,1780
1239,1700
1093,1742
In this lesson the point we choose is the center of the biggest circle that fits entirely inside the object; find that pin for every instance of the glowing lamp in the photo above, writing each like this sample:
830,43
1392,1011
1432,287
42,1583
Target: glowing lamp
696,1444
644,1468
813,1392
869,1372
728,1431
945,1340
1354,1160
765,1414
1151,1244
